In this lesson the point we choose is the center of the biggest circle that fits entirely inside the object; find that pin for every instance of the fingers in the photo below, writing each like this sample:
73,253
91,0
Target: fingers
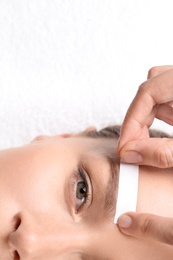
145,226
153,72
156,152
143,109
165,113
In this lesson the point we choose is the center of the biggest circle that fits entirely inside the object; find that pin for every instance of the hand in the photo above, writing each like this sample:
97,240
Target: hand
148,227
153,100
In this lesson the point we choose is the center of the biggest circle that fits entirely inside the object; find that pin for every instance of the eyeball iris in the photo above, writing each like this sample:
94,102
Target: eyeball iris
81,191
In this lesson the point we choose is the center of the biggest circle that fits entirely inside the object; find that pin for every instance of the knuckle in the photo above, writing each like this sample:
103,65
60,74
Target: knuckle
153,71
142,86
163,156
146,226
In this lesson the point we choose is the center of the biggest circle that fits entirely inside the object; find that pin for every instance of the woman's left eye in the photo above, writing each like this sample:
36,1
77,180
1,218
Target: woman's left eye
83,190
81,194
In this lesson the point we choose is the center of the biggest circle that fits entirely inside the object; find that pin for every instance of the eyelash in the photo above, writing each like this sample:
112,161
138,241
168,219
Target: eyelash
81,174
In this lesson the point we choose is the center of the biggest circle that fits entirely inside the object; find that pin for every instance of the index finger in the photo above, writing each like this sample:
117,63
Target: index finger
142,111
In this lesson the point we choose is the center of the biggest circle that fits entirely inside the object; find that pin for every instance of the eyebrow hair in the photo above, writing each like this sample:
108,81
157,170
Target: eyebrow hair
106,148
112,190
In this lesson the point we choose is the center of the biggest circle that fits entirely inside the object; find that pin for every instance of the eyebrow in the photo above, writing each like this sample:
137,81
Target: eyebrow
110,191
110,201
107,151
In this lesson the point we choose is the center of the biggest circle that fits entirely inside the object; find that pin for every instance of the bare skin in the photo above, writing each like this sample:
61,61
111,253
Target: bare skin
154,99
44,217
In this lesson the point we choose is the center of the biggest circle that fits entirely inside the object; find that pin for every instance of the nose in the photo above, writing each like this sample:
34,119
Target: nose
24,244
35,240
28,239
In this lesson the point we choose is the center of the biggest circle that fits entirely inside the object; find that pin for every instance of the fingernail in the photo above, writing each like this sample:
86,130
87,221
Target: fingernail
132,157
124,221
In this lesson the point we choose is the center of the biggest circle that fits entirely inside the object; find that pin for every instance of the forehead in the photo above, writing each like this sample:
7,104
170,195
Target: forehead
104,147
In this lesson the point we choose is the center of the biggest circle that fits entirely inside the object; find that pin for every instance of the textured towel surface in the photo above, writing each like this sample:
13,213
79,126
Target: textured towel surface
65,65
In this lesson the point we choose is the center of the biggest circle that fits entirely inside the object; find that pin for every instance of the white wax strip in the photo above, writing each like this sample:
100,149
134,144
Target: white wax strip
128,189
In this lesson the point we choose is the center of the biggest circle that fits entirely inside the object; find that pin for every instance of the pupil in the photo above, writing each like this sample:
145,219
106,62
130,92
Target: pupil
81,190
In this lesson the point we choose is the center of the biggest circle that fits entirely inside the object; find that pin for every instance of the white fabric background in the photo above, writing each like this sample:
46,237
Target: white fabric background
68,64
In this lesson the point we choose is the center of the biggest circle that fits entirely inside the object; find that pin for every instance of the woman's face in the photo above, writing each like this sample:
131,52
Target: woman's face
57,199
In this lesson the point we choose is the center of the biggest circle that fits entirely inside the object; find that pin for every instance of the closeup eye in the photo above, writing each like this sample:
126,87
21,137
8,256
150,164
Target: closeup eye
82,190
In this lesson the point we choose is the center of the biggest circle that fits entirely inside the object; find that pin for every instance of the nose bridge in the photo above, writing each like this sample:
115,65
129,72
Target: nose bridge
40,242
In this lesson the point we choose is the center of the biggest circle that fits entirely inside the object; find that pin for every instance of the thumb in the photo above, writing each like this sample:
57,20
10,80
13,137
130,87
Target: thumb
145,226
156,152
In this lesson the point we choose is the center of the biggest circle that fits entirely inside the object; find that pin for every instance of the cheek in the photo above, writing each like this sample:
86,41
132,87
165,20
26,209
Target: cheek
104,240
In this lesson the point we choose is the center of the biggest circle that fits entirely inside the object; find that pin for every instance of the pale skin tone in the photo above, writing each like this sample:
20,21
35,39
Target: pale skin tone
42,217
154,99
